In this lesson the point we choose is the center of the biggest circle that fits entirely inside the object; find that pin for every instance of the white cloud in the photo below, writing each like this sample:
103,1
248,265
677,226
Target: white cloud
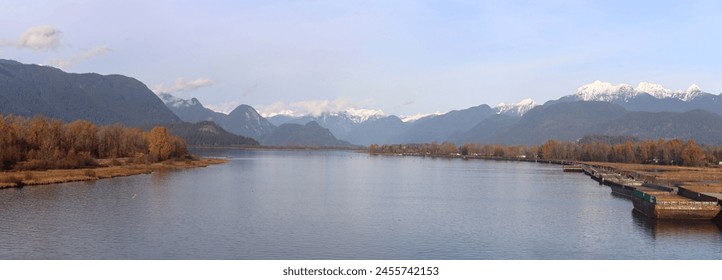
278,108
225,107
311,107
64,63
40,38
315,107
182,84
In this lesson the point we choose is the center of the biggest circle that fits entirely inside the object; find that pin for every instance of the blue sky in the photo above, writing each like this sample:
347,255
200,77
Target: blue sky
402,57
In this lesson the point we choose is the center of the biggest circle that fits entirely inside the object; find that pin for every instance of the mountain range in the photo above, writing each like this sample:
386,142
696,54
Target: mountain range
647,111
29,90
244,120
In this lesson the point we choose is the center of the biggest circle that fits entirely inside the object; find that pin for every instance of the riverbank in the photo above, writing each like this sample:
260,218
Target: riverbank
108,169
698,179
280,148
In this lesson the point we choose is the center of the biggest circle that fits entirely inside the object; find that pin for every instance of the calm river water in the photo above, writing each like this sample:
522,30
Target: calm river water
342,205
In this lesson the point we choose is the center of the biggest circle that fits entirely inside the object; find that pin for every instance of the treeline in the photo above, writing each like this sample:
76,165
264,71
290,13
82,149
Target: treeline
448,149
39,143
667,152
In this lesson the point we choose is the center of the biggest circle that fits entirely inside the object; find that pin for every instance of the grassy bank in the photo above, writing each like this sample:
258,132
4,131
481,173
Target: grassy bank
108,169
702,179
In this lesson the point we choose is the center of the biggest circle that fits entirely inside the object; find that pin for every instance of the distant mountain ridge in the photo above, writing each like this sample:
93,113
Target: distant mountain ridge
30,90
207,133
603,91
572,120
647,111
245,121
308,135
647,97
516,109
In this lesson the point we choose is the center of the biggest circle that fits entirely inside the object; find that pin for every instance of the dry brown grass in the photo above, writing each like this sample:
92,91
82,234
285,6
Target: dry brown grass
707,178
110,169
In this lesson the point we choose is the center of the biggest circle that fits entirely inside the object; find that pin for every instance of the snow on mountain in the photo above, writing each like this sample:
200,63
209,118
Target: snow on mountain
176,102
352,114
413,118
515,109
691,93
603,91
361,115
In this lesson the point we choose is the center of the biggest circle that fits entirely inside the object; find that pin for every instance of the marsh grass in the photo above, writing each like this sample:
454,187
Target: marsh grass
11,179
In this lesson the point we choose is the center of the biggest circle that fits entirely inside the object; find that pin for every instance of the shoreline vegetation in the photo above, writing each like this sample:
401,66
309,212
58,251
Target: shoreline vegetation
663,162
262,147
40,151
662,151
117,168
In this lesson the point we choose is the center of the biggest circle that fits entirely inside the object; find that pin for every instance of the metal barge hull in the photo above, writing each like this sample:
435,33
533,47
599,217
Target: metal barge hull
658,207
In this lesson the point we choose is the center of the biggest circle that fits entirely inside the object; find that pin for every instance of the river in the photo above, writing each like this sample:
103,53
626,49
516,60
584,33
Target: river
274,204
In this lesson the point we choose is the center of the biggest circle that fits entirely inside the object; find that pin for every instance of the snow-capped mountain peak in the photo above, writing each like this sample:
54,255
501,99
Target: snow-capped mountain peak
656,90
176,102
515,109
362,115
691,93
352,114
603,91
416,117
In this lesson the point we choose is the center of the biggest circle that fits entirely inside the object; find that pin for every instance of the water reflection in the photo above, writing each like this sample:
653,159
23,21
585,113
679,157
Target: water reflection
341,205
676,228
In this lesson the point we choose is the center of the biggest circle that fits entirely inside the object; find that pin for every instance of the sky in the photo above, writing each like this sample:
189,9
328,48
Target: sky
401,57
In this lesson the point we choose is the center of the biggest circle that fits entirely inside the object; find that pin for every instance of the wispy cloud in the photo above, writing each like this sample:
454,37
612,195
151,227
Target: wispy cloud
65,63
40,38
182,84
248,91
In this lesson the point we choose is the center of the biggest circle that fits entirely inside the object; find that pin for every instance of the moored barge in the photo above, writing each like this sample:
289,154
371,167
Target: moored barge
665,205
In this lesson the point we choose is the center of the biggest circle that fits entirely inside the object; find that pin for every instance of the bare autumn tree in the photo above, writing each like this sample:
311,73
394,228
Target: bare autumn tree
159,143
82,136
41,143
692,154
8,143
162,145
109,141
650,151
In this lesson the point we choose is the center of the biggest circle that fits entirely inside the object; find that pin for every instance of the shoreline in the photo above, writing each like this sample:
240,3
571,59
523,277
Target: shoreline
280,148
19,179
